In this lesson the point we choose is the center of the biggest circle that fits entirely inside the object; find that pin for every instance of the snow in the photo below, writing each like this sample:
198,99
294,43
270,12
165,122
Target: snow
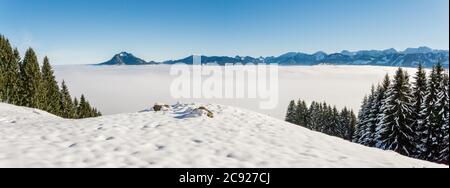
122,89
175,138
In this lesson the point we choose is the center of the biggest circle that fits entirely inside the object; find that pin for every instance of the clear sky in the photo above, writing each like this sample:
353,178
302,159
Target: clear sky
91,31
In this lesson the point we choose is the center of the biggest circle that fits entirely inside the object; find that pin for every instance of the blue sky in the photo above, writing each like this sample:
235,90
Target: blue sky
91,31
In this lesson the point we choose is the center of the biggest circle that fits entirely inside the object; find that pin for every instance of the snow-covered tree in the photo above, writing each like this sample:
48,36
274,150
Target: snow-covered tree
290,115
419,92
362,121
396,133
301,113
443,104
432,118
385,85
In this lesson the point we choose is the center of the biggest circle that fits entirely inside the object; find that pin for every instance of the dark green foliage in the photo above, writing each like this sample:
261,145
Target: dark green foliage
31,93
68,109
24,83
50,88
9,72
323,118
301,114
290,115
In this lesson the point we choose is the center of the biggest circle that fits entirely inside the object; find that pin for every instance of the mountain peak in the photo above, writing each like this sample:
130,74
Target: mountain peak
125,58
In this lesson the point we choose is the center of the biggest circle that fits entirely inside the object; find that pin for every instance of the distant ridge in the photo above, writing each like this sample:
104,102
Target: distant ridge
411,57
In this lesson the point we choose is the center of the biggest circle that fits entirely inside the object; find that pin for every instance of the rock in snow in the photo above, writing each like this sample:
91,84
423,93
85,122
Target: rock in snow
175,138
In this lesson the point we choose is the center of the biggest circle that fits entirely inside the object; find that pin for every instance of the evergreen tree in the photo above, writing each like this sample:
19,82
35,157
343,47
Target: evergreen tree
76,106
396,133
346,127
374,111
290,115
419,92
314,116
335,123
383,108
67,108
432,121
9,72
85,110
443,104
32,94
362,120
353,122
301,113
51,89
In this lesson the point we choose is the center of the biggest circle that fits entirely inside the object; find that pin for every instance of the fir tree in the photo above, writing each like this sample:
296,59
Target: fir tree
51,89
443,104
76,106
290,115
372,117
386,84
301,113
396,133
345,128
362,120
32,94
432,121
419,92
67,108
314,116
9,73
85,109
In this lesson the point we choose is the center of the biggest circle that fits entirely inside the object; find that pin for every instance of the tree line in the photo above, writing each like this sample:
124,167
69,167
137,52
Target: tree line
24,83
410,118
323,118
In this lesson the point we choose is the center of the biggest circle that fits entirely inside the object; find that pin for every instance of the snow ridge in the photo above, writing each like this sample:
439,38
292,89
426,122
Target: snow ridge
177,137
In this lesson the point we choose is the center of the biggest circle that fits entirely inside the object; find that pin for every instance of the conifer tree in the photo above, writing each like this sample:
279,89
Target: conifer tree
444,114
9,72
419,92
345,129
32,94
432,121
290,115
76,106
372,117
85,110
314,116
396,133
51,89
67,107
386,83
362,120
301,113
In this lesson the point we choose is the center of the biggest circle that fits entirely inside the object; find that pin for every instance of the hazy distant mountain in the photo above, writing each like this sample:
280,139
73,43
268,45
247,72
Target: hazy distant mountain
411,57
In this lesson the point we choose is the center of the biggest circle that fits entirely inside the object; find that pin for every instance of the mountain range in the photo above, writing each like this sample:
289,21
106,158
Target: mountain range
410,57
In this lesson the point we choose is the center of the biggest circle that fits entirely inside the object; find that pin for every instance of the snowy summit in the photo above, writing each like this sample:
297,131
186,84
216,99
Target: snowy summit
181,135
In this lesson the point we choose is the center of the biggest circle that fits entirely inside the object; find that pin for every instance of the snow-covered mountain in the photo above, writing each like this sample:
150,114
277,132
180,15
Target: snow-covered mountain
410,57
180,135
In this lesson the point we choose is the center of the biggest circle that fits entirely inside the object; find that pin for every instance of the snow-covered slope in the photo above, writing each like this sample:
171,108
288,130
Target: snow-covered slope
177,137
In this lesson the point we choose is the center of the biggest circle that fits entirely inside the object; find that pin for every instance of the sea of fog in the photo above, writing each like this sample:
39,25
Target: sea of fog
124,89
